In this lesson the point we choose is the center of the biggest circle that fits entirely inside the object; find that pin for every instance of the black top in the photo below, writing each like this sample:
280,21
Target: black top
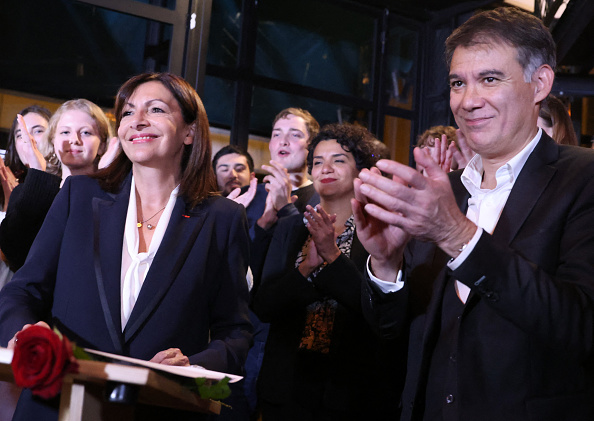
27,208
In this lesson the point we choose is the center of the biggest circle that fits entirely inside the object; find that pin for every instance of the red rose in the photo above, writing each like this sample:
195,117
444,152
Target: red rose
41,358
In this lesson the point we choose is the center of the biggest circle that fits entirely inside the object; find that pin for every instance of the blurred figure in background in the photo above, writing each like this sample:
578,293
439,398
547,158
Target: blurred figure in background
20,156
445,143
554,119
234,168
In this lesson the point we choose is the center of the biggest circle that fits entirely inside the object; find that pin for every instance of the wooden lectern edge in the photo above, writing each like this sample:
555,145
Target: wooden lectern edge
154,388
5,368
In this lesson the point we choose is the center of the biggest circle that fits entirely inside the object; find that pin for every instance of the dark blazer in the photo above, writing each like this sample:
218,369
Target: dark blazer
193,298
526,335
364,374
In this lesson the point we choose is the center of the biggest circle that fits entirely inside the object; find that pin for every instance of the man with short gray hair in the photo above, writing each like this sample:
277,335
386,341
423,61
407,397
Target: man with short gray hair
491,268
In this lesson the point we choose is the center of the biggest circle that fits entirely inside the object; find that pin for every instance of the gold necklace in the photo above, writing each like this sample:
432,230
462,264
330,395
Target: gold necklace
149,226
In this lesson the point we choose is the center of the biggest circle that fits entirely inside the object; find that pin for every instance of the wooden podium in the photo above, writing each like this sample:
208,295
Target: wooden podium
84,394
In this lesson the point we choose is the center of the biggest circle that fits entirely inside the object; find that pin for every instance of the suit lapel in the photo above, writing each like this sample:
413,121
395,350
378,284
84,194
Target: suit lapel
177,243
532,181
460,192
109,217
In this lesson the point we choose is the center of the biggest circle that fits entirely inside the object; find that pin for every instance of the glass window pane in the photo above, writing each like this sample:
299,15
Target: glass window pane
268,103
169,4
89,51
225,30
401,58
397,138
315,44
218,99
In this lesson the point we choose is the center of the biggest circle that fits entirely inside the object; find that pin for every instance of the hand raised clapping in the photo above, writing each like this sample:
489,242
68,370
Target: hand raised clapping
278,185
322,247
8,180
32,155
462,152
423,206
246,198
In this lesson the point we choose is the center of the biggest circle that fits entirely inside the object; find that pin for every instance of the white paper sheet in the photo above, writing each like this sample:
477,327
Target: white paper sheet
191,371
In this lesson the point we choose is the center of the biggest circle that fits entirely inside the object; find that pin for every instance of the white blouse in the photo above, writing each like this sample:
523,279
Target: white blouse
135,265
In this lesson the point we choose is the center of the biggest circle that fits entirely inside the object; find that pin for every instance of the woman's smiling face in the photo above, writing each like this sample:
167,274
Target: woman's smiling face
152,129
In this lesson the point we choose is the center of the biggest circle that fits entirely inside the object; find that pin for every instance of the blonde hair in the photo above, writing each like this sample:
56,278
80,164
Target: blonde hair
94,111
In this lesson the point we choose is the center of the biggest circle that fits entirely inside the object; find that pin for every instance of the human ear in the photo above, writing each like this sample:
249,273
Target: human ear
189,139
543,79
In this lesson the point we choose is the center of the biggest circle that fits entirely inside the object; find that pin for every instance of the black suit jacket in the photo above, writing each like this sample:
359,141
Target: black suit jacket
364,373
194,296
526,335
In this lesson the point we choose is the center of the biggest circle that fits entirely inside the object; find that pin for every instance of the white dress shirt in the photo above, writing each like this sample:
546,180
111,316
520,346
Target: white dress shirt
484,207
136,265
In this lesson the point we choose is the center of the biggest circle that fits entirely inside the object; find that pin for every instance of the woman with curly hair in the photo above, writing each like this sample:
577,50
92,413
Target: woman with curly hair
321,355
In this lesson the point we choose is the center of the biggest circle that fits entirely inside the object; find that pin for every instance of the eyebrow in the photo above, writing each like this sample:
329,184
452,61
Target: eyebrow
17,131
150,101
490,72
85,127
333,155
290,130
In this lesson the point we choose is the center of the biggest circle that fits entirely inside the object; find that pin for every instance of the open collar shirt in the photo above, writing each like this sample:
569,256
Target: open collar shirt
135,265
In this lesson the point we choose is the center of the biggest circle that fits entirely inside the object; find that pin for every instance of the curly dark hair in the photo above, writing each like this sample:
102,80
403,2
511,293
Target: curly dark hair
354,139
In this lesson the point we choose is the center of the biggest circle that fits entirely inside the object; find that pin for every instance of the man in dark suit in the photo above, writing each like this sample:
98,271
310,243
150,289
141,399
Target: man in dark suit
496,286
291,131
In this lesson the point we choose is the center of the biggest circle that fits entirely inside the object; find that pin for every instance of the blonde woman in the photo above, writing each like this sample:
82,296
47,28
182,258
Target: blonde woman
78,132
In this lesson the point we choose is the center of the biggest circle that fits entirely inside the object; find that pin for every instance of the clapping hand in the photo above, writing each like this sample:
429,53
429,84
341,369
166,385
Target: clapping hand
312,260
8,180
440,153
423,206
113,150
278,184
322,230
246,198
32,155
384,242
462,152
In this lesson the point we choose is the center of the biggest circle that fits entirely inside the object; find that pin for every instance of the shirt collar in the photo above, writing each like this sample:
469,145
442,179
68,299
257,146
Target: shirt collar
508,173
131,228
